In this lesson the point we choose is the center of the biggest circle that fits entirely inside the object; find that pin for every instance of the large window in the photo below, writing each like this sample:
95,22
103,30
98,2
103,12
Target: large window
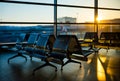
78,16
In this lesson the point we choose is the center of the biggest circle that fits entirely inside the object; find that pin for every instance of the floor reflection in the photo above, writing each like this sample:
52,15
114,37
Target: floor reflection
109,64
100,71
104,66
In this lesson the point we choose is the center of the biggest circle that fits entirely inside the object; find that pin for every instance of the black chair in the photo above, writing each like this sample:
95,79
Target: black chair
41,50
32,39
115,39
90,38
65,46
108,39
105,39
20,45
118,38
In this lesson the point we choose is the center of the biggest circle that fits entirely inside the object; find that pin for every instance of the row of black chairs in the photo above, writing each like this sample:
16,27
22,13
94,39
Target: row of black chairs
47,46
110,39
90,38
21,43
106,39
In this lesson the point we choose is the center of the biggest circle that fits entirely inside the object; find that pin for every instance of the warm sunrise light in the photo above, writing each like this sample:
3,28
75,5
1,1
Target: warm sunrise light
99,18
100,71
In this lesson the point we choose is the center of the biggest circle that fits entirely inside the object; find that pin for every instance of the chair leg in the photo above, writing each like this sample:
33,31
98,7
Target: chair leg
19,54
62,64
49,64
23,57
91,47
46,64
30,58
70,60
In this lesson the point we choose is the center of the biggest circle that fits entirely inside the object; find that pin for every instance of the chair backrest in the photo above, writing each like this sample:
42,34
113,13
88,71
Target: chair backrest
91,35
32,38
21,38
20,41
42,42
105,35
118,35
74,45
51,42
67,43
61,44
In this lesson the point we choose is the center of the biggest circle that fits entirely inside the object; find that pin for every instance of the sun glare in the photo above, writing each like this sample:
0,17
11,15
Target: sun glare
99,19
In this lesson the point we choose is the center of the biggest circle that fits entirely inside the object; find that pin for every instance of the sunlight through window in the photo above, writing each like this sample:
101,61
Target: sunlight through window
100,71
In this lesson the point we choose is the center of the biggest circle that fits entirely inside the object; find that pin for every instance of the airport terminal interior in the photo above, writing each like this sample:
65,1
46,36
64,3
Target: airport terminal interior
59,40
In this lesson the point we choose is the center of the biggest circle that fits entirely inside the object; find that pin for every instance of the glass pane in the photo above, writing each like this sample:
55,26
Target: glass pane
39,1
25,13
109,3
108,28
81,15
108,15
77,2
74,29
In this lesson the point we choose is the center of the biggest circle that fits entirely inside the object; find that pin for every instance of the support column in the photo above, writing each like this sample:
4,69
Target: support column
55,18
96,15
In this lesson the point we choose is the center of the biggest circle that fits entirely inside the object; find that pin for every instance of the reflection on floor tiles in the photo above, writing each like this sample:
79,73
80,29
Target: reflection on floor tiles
104,66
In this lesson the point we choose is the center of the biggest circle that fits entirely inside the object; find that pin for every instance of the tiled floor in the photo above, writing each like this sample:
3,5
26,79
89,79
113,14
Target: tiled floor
104,66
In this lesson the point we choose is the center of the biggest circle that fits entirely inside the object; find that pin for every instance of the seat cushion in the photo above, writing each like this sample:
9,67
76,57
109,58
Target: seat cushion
58,55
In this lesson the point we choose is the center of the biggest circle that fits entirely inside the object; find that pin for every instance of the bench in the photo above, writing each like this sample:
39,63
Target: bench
65,46
41,49
20,45
90,38
110,39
